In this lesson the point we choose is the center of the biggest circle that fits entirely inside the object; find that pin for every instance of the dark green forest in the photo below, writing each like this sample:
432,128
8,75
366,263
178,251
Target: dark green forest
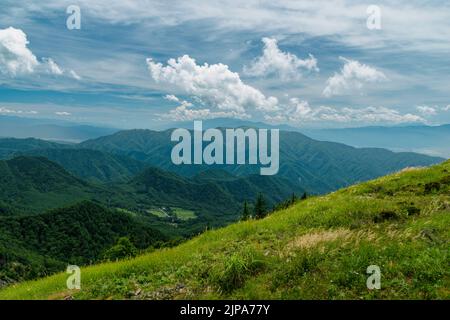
38,245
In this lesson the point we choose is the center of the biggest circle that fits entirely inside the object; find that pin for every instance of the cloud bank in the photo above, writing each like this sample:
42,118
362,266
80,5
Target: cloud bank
299,112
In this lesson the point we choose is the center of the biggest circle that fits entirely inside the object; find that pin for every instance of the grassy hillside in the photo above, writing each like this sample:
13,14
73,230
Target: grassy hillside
319,248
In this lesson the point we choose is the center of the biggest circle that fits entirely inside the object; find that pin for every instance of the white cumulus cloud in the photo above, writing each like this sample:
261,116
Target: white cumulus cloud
276,62
212,85
353,75
16,59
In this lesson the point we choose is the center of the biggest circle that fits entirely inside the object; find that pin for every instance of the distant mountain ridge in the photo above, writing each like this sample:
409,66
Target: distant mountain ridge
132,171
120,159
10,146
425,139
231,123
431,140
48,129
316,166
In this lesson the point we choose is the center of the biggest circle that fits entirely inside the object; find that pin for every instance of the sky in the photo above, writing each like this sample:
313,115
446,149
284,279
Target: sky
147,64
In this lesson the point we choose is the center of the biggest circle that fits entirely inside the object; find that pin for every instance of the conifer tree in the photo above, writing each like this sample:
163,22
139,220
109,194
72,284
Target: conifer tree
294,198
260,210
246,211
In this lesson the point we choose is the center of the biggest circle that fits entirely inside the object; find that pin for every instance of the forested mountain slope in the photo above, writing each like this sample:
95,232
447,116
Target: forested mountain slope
319,248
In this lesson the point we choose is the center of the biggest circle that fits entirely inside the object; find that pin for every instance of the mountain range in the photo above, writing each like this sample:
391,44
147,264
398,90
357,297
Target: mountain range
70,202
420,138
431,140
316,166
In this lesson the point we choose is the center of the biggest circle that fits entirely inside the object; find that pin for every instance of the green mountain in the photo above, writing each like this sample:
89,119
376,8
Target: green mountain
167,187
10,146
430,140
88,164
92,165
319,248
214,175
215,202
317,166
38,245
34,184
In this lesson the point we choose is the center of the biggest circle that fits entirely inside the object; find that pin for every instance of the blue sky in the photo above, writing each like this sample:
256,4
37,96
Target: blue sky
303,63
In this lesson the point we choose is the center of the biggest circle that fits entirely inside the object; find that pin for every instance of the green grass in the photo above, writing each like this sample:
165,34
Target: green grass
184,214
167,212
319,248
